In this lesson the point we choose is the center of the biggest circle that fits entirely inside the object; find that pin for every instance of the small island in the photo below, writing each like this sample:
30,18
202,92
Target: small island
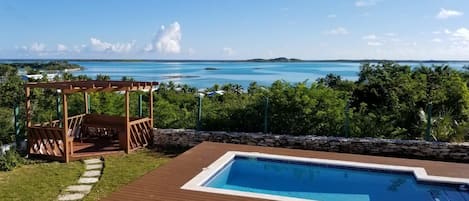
210,68
279,59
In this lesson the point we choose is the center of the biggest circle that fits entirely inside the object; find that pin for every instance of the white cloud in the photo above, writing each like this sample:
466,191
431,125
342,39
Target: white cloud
61,48
337,31
374,43
331,16
227,51
168,40
437,40
445,14
390,34
365,3
148,48
33,48
462,33
37,47
370,37
102,46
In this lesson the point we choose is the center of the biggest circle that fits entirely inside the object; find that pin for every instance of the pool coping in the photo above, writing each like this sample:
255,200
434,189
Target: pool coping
197,182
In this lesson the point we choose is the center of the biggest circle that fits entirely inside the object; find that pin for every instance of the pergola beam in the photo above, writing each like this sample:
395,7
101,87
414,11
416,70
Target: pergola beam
81,86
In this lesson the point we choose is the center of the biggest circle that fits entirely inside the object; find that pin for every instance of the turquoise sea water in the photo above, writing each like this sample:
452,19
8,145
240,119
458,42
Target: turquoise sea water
196,73
327,183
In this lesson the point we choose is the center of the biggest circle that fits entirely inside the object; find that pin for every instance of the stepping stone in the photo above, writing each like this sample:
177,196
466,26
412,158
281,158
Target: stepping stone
92,161
73,196
87,180
79,188
93,167
92,173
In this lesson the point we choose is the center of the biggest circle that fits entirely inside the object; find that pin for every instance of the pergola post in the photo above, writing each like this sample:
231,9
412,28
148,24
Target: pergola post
85,99
127,121
28,115
28,107
150,106
65,137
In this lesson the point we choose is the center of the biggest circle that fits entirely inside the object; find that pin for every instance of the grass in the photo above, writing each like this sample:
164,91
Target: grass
122,169
41,181
45,181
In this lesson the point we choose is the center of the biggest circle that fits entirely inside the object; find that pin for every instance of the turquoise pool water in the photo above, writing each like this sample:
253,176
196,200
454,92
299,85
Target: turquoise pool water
327,183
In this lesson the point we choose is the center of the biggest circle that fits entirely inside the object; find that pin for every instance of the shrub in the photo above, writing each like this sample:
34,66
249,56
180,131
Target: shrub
10,160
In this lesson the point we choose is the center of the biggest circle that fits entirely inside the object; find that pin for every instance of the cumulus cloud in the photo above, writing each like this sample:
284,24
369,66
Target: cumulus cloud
227,51
462,33
437,40
33,48
370,37
61,48
102,46
446,13
374,43
37,47
167,40
337,31
365,3
331,16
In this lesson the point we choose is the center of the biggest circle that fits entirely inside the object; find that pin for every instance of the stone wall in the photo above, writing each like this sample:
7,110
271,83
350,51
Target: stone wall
181,138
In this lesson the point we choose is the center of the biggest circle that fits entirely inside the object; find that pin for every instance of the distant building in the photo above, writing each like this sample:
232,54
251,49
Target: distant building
50,77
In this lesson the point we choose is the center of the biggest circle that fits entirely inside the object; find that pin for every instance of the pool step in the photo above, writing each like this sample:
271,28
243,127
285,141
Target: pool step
450,196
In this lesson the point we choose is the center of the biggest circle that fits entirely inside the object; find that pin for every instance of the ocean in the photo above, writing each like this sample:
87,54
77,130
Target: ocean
205,74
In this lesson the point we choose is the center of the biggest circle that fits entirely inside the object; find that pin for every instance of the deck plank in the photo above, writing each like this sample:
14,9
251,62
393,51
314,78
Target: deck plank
163,184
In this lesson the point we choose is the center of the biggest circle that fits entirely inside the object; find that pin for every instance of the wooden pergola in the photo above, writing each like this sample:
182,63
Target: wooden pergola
62,139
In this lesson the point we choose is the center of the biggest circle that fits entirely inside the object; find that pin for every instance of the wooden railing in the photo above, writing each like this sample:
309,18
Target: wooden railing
74,125
46,141
141,133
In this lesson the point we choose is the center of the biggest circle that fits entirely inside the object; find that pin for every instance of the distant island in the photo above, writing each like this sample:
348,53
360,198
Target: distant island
279,59
48,67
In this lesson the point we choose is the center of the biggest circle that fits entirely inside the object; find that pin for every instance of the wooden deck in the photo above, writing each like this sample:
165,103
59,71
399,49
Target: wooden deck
163,184
95,147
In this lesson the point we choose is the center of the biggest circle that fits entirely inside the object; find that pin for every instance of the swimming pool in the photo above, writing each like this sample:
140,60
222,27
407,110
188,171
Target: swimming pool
278,177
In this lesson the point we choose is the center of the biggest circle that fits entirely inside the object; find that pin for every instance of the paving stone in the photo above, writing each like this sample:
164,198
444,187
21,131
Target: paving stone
92,173
72,196
87,180
93,167
92,161
79,188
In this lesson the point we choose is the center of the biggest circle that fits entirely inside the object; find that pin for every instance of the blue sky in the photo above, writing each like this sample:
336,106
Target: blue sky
235,29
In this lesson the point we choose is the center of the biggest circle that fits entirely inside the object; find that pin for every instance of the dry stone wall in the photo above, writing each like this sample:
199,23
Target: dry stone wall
182,138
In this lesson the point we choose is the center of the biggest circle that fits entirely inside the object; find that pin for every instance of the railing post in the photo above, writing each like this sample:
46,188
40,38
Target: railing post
347,120
140,113
199,113
266,115
58,108
429,122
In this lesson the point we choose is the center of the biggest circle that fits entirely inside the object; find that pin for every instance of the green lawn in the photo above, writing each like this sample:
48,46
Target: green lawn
42,181
122,169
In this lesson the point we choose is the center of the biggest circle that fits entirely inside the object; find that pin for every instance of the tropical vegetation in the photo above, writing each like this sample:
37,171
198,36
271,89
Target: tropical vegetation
388,100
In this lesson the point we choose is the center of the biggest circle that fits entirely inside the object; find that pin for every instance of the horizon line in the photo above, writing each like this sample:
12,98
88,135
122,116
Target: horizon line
244,60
